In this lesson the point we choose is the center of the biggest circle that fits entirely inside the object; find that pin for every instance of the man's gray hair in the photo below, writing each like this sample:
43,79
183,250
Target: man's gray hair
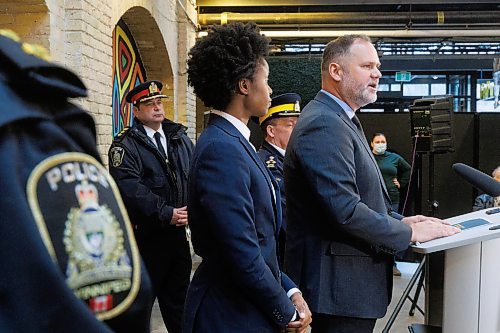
339,48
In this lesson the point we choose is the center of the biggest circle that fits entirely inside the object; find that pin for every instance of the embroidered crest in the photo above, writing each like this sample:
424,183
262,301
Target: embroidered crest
271,163
85,227
116,154
153,88
93,241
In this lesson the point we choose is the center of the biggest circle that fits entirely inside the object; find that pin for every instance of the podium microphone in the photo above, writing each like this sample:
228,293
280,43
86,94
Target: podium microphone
478,179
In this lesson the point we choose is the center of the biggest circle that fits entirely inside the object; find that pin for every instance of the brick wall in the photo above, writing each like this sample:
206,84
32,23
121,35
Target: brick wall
78,34
29,18
186,102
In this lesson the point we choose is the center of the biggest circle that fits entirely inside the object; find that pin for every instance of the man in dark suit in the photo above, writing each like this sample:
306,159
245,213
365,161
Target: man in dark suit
150,163
277,126
341,234
232,200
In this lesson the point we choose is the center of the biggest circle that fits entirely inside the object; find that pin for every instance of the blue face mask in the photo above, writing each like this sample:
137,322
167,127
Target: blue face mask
380,148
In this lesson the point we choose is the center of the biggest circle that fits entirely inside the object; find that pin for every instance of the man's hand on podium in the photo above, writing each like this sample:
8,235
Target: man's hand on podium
426,228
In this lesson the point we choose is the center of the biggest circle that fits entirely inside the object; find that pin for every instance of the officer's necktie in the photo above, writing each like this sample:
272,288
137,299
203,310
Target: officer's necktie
157,137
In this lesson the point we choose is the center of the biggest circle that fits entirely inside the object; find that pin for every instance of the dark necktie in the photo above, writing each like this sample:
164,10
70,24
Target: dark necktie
356,122
157,137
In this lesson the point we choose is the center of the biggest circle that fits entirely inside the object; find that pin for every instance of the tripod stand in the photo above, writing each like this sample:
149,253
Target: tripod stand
419,274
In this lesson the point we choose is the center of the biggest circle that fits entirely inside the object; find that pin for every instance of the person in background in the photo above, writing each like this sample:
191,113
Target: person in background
233,201
396,173
277,126
341,233
150,163
68,255
484,201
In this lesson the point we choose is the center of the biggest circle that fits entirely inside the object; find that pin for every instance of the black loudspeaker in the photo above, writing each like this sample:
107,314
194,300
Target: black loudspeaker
431,124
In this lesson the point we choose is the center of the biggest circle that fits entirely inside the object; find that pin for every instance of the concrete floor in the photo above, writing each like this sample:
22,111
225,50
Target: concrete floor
400,325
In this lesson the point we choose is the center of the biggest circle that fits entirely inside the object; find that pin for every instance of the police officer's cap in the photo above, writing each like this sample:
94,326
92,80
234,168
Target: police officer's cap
145,91
286,105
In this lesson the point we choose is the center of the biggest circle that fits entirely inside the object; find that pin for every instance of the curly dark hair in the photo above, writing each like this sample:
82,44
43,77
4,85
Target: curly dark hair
218,61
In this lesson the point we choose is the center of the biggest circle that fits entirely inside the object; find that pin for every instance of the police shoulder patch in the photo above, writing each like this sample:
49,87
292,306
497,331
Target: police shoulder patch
116,156
85,227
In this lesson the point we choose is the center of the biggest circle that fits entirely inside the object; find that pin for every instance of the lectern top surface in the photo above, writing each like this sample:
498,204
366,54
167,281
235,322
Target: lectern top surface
475,228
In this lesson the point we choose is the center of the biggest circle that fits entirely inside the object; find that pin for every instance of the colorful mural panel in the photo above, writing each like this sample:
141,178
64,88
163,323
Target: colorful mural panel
128,72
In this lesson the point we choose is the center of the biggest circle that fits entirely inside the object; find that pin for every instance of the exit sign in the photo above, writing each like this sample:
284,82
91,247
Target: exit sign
403,76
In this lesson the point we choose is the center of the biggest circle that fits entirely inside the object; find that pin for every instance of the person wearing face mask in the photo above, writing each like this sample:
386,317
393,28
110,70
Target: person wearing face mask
395,171
484,200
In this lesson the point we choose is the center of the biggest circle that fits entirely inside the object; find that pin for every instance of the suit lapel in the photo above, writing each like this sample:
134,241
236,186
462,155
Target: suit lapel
323,98
226,126
271,183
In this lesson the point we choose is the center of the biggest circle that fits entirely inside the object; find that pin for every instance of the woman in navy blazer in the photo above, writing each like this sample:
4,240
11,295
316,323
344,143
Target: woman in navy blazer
232,207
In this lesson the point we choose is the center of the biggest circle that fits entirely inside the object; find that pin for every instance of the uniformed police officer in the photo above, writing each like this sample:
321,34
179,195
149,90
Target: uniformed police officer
150,163
277,126
68,256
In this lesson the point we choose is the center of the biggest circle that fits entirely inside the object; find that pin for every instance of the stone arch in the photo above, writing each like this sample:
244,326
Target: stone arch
152,50
30,19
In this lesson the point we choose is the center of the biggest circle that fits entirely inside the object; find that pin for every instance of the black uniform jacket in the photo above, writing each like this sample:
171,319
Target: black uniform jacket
150,185
67,252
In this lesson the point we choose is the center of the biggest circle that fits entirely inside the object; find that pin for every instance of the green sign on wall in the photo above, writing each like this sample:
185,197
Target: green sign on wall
403,76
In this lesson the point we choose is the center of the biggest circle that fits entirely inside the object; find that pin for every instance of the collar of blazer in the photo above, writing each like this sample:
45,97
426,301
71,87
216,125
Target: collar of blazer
331,103
227,127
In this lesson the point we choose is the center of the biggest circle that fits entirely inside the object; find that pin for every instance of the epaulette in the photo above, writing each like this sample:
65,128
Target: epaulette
122,134
27,70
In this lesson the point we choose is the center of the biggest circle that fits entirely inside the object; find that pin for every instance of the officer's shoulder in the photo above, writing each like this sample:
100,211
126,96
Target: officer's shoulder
27,66
122,134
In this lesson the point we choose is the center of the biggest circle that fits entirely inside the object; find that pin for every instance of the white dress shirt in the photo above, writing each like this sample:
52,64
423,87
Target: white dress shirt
163,139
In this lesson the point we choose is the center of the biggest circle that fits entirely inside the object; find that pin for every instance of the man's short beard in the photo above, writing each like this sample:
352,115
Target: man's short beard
359,97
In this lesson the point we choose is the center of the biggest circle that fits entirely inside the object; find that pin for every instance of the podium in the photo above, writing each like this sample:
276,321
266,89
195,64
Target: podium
464,286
